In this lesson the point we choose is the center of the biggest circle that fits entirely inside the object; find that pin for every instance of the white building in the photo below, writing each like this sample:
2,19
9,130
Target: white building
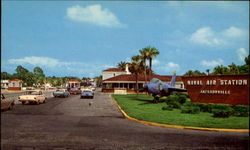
4,84
112,72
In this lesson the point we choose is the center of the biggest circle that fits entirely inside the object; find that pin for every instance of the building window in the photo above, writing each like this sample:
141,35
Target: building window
114,74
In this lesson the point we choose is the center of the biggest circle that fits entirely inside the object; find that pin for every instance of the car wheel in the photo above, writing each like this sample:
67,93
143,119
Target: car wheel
37,102
23,103
44,101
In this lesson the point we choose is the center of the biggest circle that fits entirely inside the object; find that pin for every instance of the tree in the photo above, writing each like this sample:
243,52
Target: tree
151,52
207,70
39,75
220,70
144,56
247,60
189,73
122,65
233,69
29,79
98,80
6,76
136,68
21,72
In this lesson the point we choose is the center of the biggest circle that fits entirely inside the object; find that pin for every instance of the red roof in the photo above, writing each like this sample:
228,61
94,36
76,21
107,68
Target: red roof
129,77
16,80
113,70
73,80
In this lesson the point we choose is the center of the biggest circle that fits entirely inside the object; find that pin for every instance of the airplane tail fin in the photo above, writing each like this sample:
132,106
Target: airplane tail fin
172,82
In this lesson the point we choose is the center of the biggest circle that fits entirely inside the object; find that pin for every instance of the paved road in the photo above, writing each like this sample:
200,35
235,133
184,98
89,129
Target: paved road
70,123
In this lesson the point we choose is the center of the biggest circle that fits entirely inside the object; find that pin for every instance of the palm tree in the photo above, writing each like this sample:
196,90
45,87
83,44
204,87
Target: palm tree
136,68
144,53
189,73
151,52
233,69
219,70
207,71
122,65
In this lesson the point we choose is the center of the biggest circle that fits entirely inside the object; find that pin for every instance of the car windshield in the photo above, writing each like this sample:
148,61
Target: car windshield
33,93
61,90
87,91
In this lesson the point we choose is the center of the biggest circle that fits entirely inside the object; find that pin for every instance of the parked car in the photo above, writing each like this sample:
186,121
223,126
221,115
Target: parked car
32,96
92,88
75,91
87,94
61,93
7,103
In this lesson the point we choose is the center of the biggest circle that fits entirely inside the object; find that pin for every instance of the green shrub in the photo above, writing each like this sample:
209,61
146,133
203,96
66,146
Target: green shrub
222,113
174,104
182,98
241,111
190,109
173,97
189,103
172,101
170,108
206,107
220,106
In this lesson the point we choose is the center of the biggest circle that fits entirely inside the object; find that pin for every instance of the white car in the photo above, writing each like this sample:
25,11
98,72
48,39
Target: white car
32,97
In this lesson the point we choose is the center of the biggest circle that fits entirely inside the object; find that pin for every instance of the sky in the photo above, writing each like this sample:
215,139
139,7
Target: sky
82,38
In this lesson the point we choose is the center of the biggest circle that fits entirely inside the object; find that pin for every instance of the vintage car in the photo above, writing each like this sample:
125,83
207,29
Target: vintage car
7,103
87,94
75,91
32,96
61,93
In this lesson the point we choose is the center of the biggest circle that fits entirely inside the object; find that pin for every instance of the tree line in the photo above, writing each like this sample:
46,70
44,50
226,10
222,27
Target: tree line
223,70
38,78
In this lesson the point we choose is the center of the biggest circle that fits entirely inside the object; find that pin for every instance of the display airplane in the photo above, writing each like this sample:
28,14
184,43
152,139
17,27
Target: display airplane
159,89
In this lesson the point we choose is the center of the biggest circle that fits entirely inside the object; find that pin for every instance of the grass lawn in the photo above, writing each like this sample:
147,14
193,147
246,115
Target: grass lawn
140,107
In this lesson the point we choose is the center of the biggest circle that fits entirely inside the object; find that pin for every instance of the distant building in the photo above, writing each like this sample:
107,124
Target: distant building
4,84
15,84
73,83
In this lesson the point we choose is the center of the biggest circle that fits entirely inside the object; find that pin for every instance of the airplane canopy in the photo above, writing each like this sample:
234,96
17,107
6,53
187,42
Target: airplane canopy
155,80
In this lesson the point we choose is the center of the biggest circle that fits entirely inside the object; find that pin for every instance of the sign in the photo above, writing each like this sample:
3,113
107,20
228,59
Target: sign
224,89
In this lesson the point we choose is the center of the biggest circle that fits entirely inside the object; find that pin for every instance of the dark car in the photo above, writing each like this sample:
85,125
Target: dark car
61,93
75,91
87,94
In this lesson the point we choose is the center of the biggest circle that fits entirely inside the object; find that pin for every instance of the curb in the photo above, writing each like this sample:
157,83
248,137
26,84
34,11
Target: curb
176,126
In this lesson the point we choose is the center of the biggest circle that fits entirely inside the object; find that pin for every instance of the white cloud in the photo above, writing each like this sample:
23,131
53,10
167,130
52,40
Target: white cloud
70,68
242,53
43,61
94,14
211,63
155,62
205,36
169,67
233,32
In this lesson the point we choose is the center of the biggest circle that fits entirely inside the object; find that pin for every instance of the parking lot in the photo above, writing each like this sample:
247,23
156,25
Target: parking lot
74,123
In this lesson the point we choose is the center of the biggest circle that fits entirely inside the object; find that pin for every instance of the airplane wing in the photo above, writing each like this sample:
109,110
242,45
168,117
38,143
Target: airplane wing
171,89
